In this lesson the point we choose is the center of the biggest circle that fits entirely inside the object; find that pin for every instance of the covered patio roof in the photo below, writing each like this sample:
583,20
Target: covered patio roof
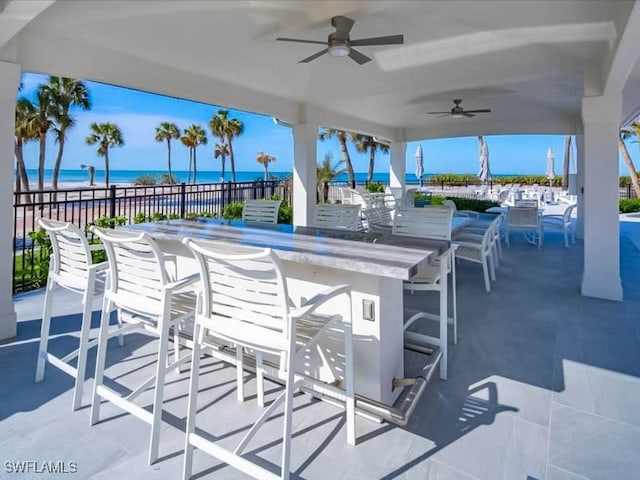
530,62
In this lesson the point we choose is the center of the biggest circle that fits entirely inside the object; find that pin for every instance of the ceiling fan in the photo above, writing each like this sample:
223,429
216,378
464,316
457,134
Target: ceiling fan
340,45
457,111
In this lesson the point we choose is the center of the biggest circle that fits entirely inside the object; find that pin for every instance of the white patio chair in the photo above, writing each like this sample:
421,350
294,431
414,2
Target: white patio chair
379,219
338,216
431,223
145,297
361,198
70,267
564,223
245,302
527,202
525,220
345,195
408,199
479,252
460,213
475,232
263,211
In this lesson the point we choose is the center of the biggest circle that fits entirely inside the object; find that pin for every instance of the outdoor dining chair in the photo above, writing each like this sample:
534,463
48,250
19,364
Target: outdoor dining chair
379,219
564,223
245,302
337,216
70,267
262,211
525,219
145,296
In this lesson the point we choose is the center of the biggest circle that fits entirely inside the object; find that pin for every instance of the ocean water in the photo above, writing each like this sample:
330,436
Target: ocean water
128,176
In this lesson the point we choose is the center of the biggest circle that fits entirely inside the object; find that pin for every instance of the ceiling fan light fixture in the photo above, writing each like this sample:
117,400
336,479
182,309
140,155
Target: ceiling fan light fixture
456,115
339,50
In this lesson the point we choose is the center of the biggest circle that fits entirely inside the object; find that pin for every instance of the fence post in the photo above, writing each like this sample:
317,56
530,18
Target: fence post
229,192
183,199
112,201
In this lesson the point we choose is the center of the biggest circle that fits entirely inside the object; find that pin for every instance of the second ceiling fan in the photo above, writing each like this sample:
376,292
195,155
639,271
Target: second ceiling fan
340,45
457,111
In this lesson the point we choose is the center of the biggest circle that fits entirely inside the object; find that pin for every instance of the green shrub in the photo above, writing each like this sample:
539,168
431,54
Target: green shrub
140,217
473,204
630,205
109,222
145,180
233,211
375,187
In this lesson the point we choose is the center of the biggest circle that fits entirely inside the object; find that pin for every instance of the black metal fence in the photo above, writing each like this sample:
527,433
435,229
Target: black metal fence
83,206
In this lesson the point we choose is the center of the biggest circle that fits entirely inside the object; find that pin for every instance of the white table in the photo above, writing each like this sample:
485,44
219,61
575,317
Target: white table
313,260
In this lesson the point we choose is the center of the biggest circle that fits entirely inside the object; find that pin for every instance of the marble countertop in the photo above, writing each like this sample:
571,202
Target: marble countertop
369,253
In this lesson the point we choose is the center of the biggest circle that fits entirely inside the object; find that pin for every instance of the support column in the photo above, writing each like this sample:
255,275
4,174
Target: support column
601,124
580,182
305,138
398,168
9,81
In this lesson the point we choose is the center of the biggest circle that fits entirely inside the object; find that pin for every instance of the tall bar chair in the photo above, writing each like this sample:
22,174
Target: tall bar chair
71,267
245,303
145,296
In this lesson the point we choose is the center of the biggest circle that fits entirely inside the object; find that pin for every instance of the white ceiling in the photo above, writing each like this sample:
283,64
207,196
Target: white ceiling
528,61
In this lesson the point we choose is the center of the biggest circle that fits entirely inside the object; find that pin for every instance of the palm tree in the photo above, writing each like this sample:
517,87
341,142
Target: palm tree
167,131
565,166
342,139
63,94
41,124
265,160
105,135
632,130
24,132
326,173
227,129
192,138
368,143
221,151
92,172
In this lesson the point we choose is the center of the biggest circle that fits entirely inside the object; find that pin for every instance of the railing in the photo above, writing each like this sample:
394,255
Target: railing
83,206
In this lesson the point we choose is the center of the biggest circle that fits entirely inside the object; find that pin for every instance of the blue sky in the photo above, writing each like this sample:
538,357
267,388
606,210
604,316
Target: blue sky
138,113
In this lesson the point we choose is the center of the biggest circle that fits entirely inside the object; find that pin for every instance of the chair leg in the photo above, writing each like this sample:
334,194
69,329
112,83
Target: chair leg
158,394
259,379
288,414
348,378
492,269
176,345
566,238
485,272
192,409
444,322
240,373
455,302
44,331
103,337
85,329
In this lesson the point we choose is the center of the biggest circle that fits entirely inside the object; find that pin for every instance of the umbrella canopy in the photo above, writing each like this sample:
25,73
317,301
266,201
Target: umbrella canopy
551,174
419,164
484,173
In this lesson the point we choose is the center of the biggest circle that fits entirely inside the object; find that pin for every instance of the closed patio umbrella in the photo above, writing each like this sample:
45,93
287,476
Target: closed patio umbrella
419,164
484,174
551,174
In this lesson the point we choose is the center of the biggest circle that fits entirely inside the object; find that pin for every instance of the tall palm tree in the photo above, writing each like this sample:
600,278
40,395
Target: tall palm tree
227,129
24,132
193,137
632,130
63,94
567,157
221,151
368,143
188,142
265,160
105,135
326,172
42,123
167,131
342,137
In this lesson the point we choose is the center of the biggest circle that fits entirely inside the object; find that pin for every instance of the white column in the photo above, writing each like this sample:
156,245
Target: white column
305,138
580,182
398,168
9,81
601,123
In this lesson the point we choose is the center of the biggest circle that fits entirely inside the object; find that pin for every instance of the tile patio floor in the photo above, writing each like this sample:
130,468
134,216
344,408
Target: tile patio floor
543,384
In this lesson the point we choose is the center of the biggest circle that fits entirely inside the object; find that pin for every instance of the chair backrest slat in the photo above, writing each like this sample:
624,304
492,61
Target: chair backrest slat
522,217
427,222
136,268
71,256
243,287
263,211
338,216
